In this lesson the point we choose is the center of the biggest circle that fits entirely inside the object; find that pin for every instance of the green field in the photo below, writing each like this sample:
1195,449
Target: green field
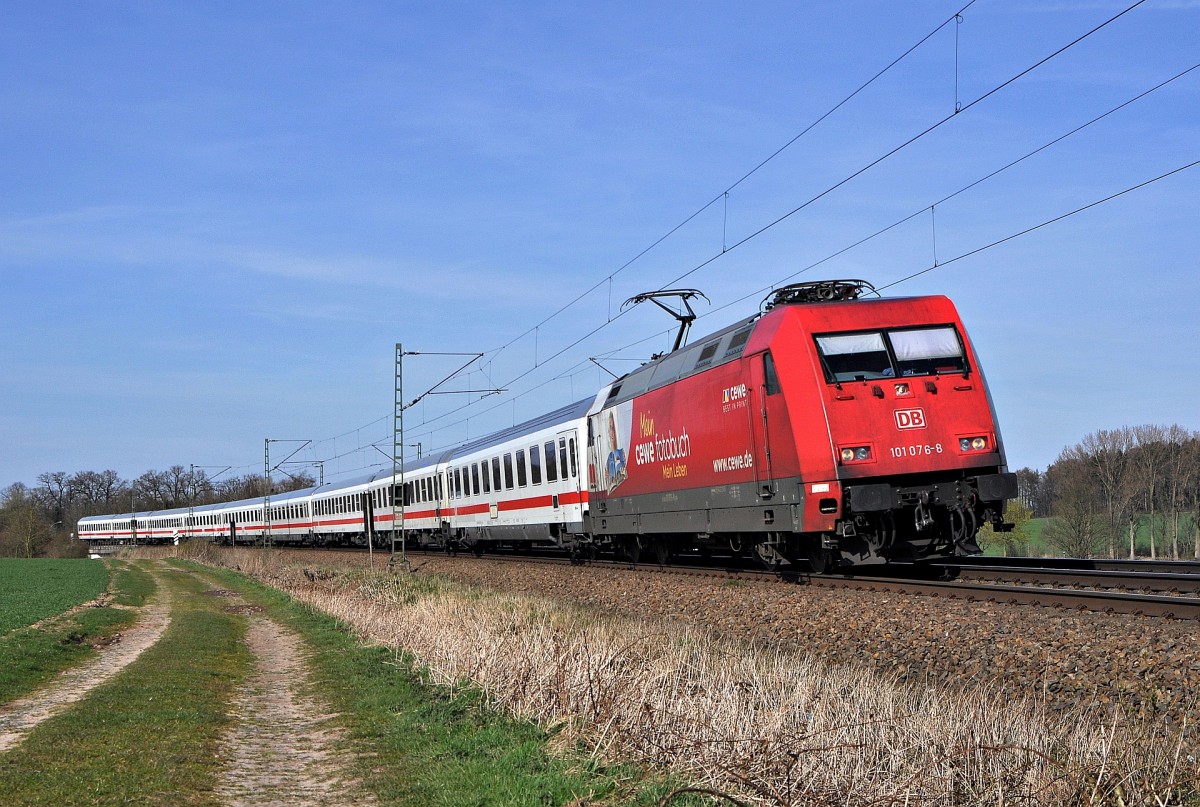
35,588
1038,546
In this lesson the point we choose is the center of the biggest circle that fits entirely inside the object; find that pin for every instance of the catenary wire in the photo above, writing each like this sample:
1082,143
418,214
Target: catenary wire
724,194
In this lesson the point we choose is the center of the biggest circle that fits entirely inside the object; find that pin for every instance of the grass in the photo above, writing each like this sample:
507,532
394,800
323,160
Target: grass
131,586
30,657
35,588
423,745
149,736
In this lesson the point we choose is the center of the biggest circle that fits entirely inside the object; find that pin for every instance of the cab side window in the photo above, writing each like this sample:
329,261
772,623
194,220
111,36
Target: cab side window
770,377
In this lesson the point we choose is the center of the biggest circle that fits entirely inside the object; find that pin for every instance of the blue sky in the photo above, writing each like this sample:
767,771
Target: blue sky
217,219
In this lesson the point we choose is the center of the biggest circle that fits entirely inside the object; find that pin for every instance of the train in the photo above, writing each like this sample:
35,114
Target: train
833,429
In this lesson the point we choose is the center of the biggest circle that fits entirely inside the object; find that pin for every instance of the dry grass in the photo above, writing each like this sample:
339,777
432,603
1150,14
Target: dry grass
766,724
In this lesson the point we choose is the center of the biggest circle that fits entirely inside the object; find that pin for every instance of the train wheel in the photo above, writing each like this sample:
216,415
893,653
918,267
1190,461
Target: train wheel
768,556
662,552
821,561
633,548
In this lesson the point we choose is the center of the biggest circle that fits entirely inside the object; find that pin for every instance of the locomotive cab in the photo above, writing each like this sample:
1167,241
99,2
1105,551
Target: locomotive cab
912,442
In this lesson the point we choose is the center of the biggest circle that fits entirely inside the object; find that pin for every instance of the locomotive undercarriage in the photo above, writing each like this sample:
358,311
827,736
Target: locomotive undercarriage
920,519
908,520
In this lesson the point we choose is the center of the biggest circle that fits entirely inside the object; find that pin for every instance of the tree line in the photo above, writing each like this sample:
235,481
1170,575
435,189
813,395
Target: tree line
1127,492
40,520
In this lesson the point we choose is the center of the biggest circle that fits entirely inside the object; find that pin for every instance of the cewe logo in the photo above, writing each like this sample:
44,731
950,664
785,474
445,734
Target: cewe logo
910,419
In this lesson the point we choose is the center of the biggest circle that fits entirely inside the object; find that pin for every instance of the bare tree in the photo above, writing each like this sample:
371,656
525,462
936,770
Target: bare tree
252,486
1178,471
1075,530
1149,455
95,492
1108,453
1031,491
235,488
1192,488
24,531
178,483
154,490
54,494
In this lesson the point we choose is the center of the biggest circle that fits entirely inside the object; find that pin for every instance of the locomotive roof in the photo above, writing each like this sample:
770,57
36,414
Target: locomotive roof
713,350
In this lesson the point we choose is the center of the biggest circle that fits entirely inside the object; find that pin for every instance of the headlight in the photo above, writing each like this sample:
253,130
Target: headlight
856,454
972,443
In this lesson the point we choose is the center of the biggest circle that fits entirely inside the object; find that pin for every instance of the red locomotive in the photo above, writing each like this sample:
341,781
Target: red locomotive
828,429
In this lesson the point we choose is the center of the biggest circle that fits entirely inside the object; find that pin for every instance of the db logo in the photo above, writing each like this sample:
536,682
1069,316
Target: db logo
910,418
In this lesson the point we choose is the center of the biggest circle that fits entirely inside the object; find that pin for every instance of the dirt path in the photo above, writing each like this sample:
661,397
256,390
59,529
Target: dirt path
19,717
282,750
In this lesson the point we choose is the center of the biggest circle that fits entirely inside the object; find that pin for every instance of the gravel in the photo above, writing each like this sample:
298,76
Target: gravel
1148,666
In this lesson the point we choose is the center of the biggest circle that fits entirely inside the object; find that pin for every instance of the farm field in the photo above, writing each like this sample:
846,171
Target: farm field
36,588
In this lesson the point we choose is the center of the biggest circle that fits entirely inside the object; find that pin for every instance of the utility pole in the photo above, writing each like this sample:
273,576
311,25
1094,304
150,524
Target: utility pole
398,444
267,468
397,482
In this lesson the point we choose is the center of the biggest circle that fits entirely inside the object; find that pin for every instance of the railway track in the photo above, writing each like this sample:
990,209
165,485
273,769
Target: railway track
1152,582
1128,590
1162,594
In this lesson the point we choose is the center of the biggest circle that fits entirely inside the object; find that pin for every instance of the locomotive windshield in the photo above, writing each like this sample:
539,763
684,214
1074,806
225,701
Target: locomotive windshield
887,354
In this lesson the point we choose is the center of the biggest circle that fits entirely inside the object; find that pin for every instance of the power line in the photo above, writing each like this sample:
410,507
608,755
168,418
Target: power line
904,145
956,193
725,193
1045,223
911,216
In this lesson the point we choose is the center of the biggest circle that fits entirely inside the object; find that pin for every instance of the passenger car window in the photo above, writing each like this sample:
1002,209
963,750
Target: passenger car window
535,464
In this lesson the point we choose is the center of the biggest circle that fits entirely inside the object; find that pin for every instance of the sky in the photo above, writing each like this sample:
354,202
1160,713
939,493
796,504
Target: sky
218,220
